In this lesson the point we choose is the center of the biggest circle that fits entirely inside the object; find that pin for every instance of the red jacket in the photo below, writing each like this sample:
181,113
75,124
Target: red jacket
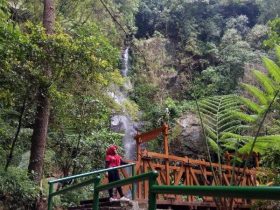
112,159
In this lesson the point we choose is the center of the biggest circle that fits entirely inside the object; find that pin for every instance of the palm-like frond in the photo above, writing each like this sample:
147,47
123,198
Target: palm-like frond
266,82
277,50
244,117
269,88
256,92
217,118
272,68
251,105
223,119
262,143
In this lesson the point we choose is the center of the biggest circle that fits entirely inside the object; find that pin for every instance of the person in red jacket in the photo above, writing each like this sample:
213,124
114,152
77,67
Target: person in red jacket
113,160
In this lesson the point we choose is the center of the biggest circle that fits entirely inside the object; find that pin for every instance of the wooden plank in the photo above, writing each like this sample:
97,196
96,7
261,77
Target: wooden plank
152,167
138,149
191,184
226,179
162,175
140,184
194,177
167,173
194,162
179,176
148,136
156,155
146,184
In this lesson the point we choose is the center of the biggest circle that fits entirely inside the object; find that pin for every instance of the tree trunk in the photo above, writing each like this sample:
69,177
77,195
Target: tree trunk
39,136
10,157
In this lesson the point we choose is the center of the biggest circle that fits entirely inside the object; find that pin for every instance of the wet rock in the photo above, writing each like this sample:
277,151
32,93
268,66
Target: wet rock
188,137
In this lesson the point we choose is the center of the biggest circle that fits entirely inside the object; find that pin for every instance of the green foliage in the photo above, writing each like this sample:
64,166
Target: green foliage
273,33
16,189
143,95
213,41
262,95
80,152
218,120
84,66
257,105
210,82
269,9
3,10
270,159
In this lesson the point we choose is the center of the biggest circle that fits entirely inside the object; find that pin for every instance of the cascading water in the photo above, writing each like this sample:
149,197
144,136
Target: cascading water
125,62
123,122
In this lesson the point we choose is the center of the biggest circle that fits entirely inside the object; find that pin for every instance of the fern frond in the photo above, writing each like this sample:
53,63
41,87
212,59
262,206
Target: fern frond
225,119
277,50
273,138
230,145
262,143
272,68
208,109
230,104
258,148
211,132
227,113
256,92
226,135
209,122
207,103
214,146
229,125
265,81
234,128
209,117
207,112
245,117
251,105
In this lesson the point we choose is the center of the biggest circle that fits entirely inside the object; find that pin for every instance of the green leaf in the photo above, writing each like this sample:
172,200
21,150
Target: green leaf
272,68
277,50
256,92
265,81
251,105
214,146
245,117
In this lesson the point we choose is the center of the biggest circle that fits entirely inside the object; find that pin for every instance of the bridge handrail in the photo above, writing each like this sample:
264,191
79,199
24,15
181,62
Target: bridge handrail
265,193
89,173
150,176
82,184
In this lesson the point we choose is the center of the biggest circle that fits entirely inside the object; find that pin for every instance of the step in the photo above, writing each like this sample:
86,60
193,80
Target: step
105,204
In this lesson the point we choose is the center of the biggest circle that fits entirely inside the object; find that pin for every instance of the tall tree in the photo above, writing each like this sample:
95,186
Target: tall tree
38,141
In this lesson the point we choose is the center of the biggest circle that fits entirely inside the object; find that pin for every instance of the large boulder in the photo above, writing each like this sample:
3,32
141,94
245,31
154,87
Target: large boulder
187,137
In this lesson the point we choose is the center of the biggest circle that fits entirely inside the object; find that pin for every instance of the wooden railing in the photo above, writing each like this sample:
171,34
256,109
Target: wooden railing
174,170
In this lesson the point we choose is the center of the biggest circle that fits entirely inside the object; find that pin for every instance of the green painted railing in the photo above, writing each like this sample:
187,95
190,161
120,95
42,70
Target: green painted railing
264,193
85,183
150,176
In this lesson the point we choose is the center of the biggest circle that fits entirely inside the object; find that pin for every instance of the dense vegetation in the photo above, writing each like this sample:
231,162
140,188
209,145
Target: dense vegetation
181,51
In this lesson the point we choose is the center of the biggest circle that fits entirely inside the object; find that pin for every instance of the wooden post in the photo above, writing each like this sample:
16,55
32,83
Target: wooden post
166,152
138,146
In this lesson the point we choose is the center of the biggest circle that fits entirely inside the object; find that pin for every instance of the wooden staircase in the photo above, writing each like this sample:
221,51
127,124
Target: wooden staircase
105,204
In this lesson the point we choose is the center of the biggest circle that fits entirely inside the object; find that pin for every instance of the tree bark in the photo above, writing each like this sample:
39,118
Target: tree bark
10,157
39,136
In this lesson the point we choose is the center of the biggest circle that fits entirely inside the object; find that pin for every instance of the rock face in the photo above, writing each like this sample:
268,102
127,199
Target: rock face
188,138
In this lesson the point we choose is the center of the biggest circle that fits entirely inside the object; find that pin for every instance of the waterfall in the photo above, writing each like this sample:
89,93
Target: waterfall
125,62
123,122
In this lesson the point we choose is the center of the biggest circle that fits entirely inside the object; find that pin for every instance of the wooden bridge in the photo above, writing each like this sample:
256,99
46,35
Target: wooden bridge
174,170
187,176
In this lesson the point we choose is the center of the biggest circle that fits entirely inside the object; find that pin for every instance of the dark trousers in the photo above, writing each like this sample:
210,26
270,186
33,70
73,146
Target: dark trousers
114,176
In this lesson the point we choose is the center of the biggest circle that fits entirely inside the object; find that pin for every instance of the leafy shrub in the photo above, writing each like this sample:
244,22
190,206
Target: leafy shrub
16,189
